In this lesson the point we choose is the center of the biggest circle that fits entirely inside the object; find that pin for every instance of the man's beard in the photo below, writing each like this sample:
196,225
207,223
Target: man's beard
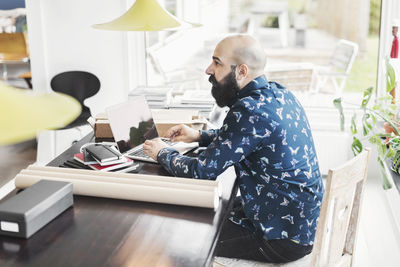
225,91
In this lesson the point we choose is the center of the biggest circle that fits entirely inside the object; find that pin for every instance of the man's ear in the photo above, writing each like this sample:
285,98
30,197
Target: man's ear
242,70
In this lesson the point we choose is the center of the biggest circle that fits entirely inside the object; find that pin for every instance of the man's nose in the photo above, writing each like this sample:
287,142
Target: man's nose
209,70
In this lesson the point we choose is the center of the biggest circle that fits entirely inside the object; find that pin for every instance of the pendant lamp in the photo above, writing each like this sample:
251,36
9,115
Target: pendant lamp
146,15
24,113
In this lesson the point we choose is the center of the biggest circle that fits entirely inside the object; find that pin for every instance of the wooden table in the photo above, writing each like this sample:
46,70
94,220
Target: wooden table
110,232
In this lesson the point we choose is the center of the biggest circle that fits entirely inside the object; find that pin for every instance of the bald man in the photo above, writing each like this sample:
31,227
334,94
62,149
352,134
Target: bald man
267,138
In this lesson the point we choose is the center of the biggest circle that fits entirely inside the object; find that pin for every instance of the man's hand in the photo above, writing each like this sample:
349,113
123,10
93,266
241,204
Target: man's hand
182,133
153,147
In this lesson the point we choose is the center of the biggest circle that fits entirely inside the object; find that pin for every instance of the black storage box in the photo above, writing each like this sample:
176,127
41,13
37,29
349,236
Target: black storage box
25,213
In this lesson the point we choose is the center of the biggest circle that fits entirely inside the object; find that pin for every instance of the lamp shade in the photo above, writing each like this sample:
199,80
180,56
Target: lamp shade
24,113
146,15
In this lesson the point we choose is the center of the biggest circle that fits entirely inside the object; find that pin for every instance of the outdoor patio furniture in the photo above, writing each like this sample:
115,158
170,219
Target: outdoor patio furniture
336,72
296,77
261,9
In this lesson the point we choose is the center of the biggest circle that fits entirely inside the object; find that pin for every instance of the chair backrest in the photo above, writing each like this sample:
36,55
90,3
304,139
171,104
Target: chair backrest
295,77
78,84
340,212
343,56
293,80
13,47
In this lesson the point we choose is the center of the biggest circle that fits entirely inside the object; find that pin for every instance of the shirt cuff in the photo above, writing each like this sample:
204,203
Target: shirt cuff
165,153
204,138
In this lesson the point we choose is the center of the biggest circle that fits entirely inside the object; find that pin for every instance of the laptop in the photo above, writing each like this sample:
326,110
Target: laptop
132,123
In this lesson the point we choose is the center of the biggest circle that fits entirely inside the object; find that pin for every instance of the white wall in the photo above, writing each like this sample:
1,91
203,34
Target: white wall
61,39
333,147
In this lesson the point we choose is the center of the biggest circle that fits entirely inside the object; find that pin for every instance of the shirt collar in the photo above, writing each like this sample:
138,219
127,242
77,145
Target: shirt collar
259,82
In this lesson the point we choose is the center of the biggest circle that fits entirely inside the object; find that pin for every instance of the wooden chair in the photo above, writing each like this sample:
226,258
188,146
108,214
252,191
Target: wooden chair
339,67
296,77
337,226
27,76
13,50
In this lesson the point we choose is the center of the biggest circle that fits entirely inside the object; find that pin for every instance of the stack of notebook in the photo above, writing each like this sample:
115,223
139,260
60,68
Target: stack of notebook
200,100
102,158
156,96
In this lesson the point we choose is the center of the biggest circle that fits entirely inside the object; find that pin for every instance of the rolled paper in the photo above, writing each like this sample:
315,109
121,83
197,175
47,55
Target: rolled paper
126,191
170,179
92,176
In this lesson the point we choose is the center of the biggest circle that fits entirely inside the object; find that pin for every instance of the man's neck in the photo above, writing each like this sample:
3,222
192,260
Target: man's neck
249,78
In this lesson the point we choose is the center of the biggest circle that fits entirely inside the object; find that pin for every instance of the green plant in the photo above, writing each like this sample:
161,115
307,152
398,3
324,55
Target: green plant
381,110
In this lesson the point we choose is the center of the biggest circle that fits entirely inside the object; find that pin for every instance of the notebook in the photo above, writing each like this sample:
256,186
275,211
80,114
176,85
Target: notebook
132,123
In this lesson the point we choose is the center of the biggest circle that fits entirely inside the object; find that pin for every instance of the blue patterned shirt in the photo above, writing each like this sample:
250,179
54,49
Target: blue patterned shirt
267,137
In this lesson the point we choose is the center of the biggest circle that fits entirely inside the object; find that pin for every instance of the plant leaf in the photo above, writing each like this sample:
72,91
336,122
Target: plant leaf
390,77
353,125
366,97
366,124
390,153
374,120
385,181
338,104
388,85
382,149
395,141
374,139
356,146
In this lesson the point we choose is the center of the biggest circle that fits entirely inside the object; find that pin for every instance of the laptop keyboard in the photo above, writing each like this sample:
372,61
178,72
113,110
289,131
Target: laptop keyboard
139,152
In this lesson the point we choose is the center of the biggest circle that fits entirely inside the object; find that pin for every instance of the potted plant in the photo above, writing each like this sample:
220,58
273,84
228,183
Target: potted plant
380,126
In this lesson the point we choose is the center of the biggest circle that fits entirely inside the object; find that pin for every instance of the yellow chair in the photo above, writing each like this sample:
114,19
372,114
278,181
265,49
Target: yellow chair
337,226
13,50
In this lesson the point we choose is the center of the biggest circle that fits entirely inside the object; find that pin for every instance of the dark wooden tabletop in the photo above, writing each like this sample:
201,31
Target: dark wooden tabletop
111,232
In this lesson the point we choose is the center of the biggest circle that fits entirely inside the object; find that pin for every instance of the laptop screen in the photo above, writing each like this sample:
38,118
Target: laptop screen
131,123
